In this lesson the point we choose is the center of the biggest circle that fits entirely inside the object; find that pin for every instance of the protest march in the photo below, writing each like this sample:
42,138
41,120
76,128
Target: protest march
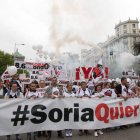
42,103
69,69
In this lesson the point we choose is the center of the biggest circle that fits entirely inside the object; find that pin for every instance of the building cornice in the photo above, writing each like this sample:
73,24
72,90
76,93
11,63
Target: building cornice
125,22
120,37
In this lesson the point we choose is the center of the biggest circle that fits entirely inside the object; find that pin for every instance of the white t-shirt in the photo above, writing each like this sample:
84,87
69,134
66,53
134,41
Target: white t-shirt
124,91
67,94
41,91
98,94
76,88
13,94
108,92
55,91
82,93
31,94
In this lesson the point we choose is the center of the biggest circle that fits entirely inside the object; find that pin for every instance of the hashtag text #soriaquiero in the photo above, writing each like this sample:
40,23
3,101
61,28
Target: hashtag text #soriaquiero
87,114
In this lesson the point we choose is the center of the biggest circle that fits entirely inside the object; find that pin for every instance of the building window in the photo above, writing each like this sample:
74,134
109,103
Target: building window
134,31
124,26
125,31
133,25
111,52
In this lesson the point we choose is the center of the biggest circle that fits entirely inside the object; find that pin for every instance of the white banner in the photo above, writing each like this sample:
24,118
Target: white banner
47,70
25,81
22,115
31,65
6,76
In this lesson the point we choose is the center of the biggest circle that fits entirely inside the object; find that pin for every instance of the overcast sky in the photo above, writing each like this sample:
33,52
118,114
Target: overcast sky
63,22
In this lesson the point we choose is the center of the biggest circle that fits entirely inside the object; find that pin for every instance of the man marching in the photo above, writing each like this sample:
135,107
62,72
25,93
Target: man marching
13,93
53,91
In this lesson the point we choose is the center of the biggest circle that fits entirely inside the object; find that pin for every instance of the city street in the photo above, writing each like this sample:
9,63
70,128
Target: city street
69,70
132,133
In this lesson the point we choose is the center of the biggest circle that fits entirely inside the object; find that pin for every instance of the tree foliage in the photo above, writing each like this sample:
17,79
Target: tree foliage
5,60
8,60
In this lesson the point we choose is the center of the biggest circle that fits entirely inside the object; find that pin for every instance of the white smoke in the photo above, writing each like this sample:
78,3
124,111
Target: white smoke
68,19
70,22
126,60
40,52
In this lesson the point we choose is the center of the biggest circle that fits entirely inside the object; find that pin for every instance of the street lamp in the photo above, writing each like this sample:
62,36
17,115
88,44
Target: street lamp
18,44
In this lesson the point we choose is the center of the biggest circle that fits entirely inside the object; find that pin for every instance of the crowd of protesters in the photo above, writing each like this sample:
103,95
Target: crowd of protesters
91,89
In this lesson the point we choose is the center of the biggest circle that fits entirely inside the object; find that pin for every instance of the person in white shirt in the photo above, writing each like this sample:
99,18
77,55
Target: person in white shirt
98,93
124,91
53,92
32,94
42,93
42,88
14,92
121,89
91,85
75,87
68,93
108,92
83,92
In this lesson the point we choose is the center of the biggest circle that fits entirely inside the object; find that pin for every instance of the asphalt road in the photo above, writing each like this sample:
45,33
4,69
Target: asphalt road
131,133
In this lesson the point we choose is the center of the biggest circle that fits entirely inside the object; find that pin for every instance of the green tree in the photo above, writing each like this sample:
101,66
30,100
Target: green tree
5,60
8,60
